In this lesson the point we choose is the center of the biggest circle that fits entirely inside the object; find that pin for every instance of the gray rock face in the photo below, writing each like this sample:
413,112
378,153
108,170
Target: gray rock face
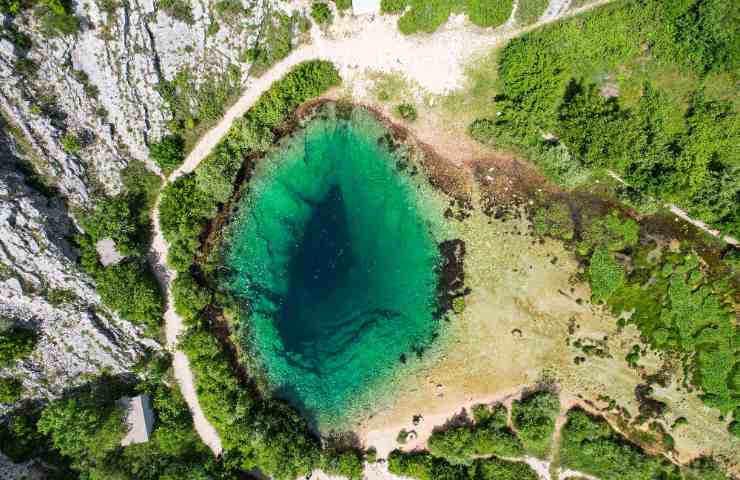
75,110
102,84
42,288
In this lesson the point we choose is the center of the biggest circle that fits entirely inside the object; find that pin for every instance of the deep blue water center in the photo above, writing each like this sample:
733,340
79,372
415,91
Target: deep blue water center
334,263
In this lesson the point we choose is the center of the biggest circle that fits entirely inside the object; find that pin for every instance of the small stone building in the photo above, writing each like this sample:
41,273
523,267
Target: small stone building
139,417
364,7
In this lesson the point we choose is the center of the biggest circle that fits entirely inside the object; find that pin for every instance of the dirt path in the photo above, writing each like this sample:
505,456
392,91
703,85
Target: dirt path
355,45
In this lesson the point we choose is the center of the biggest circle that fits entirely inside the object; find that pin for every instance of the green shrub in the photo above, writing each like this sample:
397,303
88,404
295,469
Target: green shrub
178,9
406,111
190,297
131,290
140,188
182,207
216,175
19,439
425,16
84,428
168,152
589,445
16,343
230,11
458,305
488,13
274,43
306,80
612,231
605,274
393,6
533,418
529,11
423,466
321,13
346,463
343,4
428,15
586,123
259,433
490,435
496,469
11,7
57,17
71,143
705,34
112,218
10,390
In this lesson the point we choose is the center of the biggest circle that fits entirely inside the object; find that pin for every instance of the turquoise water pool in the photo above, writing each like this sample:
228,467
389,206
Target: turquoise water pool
334,263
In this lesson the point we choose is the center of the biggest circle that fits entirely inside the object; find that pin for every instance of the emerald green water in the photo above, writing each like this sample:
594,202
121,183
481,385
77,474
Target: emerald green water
334,262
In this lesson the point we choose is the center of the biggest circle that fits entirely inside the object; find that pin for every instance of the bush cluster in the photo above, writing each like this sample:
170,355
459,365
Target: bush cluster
321,13
168,152
677,301
10,390
343,4
589,445
16,343
489,435
424,466
406,111
71,143
533,417
57,17
529,11
673,142
428,15
195,105
275,42
129,287
554,219
86,427
178,9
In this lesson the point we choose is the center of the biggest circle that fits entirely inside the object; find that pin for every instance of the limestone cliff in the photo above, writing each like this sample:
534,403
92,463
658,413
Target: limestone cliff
75,110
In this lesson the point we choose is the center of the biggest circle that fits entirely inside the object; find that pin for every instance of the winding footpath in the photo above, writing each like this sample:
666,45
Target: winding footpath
356,45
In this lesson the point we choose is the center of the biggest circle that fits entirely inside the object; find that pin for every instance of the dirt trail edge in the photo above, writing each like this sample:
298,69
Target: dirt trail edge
437,62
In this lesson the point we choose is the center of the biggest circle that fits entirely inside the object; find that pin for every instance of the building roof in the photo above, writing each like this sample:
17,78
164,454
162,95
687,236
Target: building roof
362,7
139,417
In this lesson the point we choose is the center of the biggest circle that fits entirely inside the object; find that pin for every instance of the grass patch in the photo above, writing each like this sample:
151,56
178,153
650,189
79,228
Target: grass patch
529,11
426,16
477,96
390,87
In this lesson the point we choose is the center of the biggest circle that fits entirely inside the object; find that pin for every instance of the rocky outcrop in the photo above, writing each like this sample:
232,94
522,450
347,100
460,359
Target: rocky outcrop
75,110
41,288
101,85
